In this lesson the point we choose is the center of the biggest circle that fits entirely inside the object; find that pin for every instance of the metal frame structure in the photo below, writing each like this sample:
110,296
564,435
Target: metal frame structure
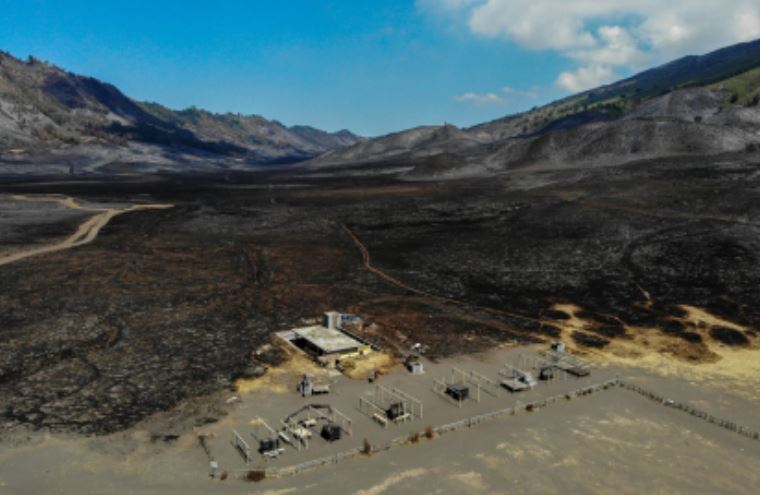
382,398
415,405
259,425
314,412
263,432
485,384
527,362
558,372
522,379
242,447
377,413
457,377
566,362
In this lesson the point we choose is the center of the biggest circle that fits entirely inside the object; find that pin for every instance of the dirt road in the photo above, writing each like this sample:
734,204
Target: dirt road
367,261
87,232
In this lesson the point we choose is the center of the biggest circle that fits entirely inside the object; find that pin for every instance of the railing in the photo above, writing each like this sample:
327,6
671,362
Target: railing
697,413
470,422
275,472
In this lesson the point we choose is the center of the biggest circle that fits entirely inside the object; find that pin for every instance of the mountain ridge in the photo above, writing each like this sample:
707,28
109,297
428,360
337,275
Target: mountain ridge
43,106
690,105
53,121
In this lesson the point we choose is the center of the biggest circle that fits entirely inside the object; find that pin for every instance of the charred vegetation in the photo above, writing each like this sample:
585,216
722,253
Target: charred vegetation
170,305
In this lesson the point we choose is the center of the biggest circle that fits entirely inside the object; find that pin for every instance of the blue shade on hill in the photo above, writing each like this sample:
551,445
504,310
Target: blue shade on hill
47,108
370,67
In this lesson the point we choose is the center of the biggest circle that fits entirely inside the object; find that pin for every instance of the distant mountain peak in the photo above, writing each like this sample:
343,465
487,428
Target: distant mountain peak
696,104
44,106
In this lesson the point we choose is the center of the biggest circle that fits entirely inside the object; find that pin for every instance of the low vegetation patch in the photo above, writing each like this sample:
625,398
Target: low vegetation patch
367,447
429,433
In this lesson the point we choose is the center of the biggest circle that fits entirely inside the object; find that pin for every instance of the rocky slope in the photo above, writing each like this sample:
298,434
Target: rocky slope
46,109
696,105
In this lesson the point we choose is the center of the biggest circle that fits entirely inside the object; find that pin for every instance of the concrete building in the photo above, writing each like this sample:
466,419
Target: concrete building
331,320
327,343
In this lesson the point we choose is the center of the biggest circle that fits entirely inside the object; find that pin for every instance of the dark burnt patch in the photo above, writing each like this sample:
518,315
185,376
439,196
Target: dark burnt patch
729,336
180,299
691,337
589,340
670,326
609,330
556,315
550,331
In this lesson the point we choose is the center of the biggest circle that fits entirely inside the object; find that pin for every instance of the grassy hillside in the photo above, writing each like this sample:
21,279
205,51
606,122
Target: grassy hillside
735,68
743,89
682,73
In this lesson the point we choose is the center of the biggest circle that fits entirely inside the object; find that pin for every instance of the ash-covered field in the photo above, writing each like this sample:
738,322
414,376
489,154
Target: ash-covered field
170,304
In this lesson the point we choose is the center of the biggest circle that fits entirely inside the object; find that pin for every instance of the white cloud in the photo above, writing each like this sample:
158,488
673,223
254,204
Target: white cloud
616,47
602,36
585,77
748,24
495,98
508,90
482,99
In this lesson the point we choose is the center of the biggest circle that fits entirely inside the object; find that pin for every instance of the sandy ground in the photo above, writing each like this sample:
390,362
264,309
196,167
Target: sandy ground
284,378
608,444
275,398
604,444
361,368
86,232
612,441
736,369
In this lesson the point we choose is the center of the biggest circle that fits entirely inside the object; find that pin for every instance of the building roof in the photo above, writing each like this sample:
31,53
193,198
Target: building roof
329,341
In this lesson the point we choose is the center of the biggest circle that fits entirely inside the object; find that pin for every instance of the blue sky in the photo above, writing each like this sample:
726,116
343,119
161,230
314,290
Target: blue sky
369,66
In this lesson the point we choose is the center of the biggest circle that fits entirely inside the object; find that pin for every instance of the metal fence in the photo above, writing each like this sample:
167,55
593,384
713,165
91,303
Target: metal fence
275,472
314,463
693,411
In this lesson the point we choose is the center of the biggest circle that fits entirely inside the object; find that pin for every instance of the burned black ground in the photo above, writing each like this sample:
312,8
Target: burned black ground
167,305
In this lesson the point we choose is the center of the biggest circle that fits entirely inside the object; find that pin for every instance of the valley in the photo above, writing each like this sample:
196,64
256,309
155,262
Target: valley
194,301
168,305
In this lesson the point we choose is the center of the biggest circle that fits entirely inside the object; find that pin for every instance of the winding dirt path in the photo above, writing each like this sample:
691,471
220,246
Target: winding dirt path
367,260
86,232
